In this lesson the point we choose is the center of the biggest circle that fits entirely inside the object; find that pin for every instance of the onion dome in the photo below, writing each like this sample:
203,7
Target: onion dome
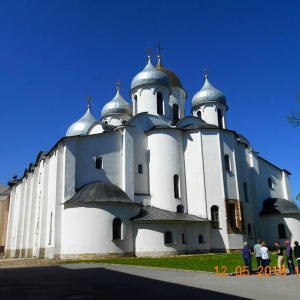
82,126
117,105
174,80
208,93
150,75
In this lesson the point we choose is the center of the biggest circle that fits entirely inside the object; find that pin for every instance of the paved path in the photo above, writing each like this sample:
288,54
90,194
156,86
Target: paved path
101,281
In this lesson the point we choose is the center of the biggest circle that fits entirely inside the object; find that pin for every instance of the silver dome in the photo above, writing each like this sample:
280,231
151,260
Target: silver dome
150,75
208,94
82,126
117,106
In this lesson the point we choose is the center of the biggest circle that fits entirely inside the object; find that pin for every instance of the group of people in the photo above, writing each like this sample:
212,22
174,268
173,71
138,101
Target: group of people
263,259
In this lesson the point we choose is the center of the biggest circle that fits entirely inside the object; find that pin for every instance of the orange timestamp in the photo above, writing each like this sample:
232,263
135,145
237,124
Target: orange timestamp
244,271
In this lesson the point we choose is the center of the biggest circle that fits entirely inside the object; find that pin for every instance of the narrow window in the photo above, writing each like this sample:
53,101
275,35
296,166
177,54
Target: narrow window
140,168
220,118
246,192
124,122
135,105
231,209
176,186
183,239
215,216
175,113
227,162
168,237
200,239
99,163
199,114
270,182
117,225
159,103
281,231
50,230
249,228
180,208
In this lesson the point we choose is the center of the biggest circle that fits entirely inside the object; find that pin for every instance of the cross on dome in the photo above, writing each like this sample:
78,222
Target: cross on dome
205,73
89,99
118,83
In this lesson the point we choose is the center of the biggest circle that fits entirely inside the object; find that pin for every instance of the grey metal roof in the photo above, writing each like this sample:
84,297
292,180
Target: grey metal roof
208,93
4,192
157,214
273,206
100,192
82,125
3,188
150,75
117,105
198,126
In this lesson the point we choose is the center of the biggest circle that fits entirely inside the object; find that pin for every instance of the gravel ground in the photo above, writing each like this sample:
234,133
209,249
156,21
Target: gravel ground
27,262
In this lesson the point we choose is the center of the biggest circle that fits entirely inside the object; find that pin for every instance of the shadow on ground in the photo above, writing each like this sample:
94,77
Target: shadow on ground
97,283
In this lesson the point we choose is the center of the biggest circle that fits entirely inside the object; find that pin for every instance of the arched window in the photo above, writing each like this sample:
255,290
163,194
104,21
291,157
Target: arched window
270,183
117,226
183,240
176,186
175,113
160,102
215,216
135,104
140,169
180,208
99,163
199,114
220,118
227,162
231,209
200,239
168,237
249,228
281,231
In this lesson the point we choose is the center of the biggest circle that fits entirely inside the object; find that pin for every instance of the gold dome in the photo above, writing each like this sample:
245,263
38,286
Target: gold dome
171,75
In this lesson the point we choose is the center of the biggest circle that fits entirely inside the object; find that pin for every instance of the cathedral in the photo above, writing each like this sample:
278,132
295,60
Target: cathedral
147,179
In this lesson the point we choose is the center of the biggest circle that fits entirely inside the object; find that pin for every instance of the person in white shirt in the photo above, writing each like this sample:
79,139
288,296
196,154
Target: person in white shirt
264,255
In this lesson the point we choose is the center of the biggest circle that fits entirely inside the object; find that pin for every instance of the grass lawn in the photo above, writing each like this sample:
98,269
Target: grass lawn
200,262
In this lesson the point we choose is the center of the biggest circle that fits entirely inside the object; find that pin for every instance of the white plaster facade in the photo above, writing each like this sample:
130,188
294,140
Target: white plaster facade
148,180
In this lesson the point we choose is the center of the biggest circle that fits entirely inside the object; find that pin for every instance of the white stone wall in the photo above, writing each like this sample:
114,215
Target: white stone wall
87,229
166,160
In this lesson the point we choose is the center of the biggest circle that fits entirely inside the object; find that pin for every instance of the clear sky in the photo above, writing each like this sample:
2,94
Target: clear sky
53,54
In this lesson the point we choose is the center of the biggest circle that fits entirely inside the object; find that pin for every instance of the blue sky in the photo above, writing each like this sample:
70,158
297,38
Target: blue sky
53,54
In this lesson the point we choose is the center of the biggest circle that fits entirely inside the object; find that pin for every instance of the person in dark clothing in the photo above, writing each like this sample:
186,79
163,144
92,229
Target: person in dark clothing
289,257
279,254
246,255
297,254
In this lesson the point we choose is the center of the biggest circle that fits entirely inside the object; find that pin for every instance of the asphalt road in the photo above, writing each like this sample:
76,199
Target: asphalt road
100,281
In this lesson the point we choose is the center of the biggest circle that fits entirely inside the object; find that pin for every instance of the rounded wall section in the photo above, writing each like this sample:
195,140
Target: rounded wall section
145,99
209,113
87,229
177,97
166,169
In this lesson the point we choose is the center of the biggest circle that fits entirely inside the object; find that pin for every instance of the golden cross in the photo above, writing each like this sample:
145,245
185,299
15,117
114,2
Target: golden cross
158,48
